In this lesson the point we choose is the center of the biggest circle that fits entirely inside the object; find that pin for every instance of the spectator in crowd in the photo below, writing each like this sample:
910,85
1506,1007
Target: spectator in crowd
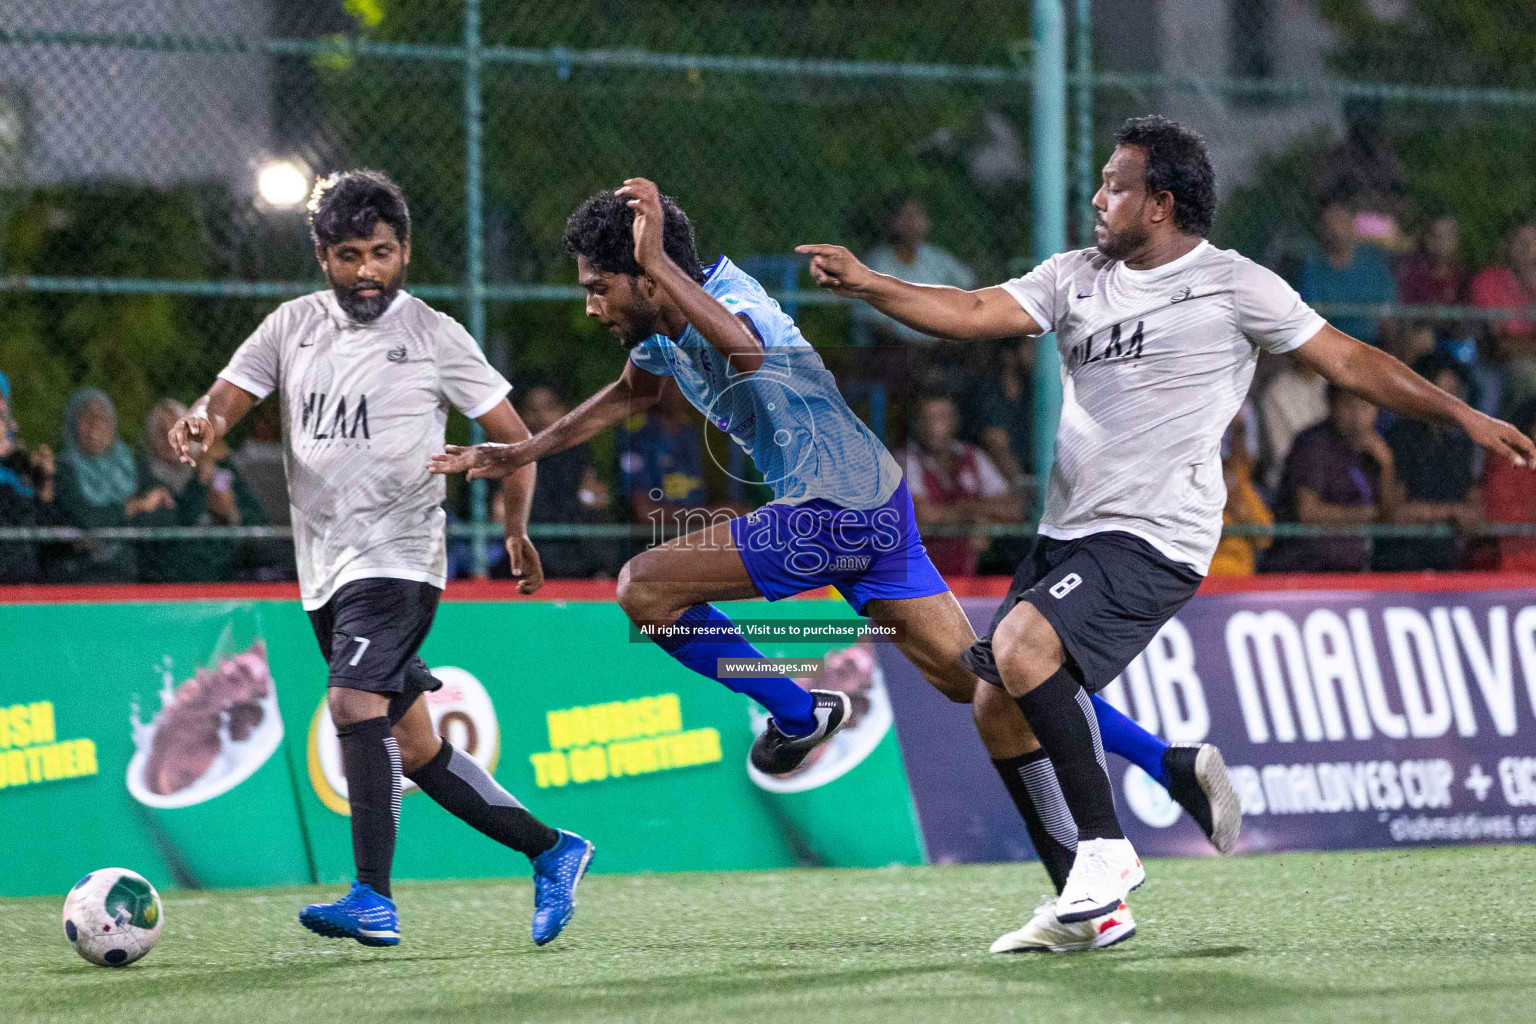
953,484
1001,412
569,490
212,493
661,467
259,461
909,255
1435,468
1435,275
1238,556
1345,270
498,565
26,494
1338,473
1512,285
1364,170
1294,399
1509,496
98,486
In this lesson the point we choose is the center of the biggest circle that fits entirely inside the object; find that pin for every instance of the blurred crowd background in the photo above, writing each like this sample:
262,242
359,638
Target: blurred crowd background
154,157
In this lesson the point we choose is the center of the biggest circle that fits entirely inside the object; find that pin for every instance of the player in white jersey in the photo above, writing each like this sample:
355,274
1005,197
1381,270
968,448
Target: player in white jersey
842,515
1159,333
365,373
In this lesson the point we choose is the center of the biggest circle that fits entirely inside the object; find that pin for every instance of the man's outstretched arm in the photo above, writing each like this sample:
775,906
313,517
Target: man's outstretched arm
634,392
210,418
939,310
1386,383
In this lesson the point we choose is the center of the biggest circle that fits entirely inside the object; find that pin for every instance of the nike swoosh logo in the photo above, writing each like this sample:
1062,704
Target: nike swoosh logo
1085,295
306,344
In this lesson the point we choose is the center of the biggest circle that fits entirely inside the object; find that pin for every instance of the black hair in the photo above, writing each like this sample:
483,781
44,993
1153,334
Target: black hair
1431,364
350,205
1177,162
602,230
1524,416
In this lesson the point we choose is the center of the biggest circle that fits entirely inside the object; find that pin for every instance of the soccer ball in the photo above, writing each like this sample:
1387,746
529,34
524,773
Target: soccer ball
112,917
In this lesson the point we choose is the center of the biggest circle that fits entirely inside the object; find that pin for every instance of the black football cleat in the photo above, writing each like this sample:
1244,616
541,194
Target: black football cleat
777,754
1197,779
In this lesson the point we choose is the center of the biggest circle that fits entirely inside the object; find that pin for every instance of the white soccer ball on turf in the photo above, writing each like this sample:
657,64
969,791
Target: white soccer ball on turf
112,917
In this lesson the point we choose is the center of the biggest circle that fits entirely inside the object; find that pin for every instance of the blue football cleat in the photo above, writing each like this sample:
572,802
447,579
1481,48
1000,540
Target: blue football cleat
361,914
556,873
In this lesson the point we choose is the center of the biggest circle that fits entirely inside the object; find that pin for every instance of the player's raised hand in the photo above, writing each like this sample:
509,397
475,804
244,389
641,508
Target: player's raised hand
642,196
192,429
1503,439
526,567
488,461
837,270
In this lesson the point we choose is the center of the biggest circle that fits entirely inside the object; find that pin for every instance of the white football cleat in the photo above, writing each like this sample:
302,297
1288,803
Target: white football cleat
1045,933
1103,874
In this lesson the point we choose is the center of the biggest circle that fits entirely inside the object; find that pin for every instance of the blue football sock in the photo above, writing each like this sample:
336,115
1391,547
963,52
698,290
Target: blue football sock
791,707
1121,735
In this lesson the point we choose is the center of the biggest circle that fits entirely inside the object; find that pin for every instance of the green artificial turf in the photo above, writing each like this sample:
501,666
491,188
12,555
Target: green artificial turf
1397,935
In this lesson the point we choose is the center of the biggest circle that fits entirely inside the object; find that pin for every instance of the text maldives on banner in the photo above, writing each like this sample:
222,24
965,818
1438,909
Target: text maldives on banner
1348,719
1351,719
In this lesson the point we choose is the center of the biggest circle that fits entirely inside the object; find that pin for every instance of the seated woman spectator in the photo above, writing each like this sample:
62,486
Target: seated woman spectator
212,493
1338,473
1436,473
1347,270
26,494
1435,275
98,485
1512,343
1509,496
953,483
1238,556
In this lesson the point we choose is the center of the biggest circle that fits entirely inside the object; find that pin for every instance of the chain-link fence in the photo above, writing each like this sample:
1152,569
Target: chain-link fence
143,148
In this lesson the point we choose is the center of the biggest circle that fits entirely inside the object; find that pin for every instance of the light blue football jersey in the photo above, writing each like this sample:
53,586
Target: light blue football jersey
788,415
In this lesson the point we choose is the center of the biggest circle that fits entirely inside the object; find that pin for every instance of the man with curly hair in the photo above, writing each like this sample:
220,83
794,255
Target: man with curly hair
365,373
1159,332
842,516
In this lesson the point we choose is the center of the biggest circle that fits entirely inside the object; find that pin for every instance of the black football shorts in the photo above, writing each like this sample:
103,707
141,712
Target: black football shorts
1106,595
369,632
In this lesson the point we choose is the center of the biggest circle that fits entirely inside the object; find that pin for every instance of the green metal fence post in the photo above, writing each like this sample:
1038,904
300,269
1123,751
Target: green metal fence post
1082,156
1049,148
474,240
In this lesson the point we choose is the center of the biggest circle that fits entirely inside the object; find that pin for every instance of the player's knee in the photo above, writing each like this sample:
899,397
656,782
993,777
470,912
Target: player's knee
349,706
999,723
953,681
1027,648
640,593
417,747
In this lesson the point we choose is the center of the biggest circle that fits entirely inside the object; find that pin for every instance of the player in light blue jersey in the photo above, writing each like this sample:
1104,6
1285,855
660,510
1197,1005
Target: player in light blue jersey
842,515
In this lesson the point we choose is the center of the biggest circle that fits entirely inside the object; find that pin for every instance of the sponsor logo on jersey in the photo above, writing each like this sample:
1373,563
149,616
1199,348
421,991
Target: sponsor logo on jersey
1181,294
1097,349
397,354
324,419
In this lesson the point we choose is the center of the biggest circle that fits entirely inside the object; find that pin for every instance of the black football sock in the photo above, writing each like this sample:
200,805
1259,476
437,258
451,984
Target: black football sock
1060,714
370,757
1031,781
467,791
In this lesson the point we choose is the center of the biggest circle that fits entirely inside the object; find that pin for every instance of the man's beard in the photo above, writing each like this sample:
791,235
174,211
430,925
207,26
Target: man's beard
644,327
365,309
1117,245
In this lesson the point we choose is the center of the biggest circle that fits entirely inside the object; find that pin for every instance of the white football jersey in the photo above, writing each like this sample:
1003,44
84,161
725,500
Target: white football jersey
1154,365
364,406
